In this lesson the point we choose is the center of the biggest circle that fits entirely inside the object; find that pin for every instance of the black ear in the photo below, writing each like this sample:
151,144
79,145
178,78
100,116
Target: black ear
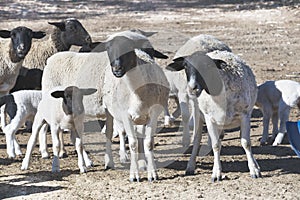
88,91
38,34
98,46
177,64
220,63
158,54
58,94
60,25
4,34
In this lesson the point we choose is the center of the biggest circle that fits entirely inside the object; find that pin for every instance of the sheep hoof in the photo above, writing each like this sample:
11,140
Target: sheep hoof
132,180
189,172
216,179
258,175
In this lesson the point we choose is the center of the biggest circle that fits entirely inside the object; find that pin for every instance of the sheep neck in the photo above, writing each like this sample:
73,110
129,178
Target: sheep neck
59,43
13,56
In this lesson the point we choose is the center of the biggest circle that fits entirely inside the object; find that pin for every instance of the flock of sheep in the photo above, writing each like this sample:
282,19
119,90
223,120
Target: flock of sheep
118,80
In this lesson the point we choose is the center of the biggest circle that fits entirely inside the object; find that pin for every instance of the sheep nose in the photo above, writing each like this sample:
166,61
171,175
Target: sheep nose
21,47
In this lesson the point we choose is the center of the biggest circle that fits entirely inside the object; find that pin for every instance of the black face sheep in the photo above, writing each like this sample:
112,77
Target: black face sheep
226,91
178,82
127,63
275,99
12,54
63,110
65,34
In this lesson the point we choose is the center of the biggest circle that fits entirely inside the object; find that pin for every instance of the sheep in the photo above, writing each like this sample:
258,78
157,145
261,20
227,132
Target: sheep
12,54
63,110
20,106
178,83
226,91
65,34
125,52
275,99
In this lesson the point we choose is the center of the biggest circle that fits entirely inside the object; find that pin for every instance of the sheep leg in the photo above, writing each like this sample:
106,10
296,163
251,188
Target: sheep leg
76,139
149,143
177,112
168,119
133,146
3,116
37,124
267,110
183,99
284,112
214,134
109,163
10,130
56,147
246,144
123,154
43,141
191,166
62,150
275,124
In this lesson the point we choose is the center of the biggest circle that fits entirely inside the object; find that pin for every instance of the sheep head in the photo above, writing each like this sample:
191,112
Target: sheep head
21,39
72,99
72,33
201,72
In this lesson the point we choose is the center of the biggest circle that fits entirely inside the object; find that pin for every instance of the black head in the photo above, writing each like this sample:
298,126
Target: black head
72,98
72,32
201,72
121,53
21,39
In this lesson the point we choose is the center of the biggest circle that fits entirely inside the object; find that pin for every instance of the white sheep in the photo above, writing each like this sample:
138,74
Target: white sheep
178,82
63,110
226,91
20,106
126,52
65,34
275,99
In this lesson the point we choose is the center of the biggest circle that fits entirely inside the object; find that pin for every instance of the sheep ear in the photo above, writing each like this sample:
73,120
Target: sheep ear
147,34
98,46
58,94
158,54
220,63
38,34
88,91
177,64
60,25
4,34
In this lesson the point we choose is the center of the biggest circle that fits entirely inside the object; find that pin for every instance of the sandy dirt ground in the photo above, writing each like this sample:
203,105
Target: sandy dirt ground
266,34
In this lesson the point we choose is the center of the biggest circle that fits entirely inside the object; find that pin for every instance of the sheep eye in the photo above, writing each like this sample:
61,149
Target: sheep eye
13,34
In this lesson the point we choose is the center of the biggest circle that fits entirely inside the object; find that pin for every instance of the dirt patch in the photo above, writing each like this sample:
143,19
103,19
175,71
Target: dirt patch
266,34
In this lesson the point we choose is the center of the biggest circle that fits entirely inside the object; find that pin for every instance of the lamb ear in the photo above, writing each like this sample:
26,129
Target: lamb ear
60,25
177,64
88,91
4,34
58,94
38,34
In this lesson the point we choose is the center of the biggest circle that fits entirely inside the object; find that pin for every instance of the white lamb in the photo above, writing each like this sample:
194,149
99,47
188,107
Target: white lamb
226,90
20,106
275,99
125,52
178,82
63,110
